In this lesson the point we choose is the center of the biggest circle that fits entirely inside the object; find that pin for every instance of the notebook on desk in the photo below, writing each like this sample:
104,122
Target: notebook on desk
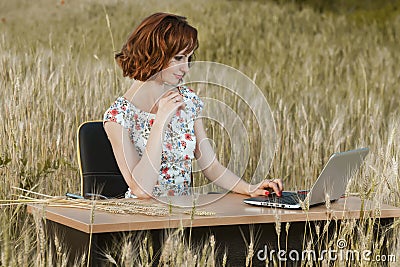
330,185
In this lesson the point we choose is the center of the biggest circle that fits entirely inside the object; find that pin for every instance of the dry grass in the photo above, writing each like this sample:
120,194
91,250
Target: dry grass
331,78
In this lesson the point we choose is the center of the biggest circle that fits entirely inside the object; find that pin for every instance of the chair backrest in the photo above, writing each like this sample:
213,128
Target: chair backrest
98,168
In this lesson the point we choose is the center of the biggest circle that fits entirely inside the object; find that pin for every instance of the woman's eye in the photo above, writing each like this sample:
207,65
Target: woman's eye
178,58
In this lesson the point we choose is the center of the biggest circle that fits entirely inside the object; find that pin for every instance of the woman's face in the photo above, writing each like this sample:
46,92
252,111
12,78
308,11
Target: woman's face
177,68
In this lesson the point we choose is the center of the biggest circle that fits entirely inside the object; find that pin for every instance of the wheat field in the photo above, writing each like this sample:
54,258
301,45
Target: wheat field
330,72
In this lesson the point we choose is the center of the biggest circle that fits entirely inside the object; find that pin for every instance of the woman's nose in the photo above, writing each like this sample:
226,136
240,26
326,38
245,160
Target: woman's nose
184,67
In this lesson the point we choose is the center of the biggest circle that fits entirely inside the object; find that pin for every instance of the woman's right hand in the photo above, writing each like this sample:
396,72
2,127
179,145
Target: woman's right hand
168,105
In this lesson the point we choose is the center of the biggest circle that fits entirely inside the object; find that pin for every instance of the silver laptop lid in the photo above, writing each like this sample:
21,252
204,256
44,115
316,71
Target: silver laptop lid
337,172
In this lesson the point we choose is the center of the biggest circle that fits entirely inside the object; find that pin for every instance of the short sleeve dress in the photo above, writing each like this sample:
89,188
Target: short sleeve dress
178,145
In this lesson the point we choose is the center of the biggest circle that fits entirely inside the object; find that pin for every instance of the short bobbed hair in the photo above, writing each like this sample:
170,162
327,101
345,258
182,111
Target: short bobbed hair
153,43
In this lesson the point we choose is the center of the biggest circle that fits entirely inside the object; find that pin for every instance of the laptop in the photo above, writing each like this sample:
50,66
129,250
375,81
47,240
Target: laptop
330,185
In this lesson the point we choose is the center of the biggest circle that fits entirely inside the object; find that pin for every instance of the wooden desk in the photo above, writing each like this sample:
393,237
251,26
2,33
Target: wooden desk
232,217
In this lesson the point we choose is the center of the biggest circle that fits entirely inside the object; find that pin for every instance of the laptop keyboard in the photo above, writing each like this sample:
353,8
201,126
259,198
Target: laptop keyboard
289,198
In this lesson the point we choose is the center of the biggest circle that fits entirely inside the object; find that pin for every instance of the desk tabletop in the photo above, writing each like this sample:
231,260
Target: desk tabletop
228,209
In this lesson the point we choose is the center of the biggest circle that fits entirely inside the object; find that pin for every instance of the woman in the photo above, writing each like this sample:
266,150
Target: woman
154,129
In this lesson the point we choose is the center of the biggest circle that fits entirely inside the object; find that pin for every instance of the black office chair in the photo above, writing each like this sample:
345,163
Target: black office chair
100,175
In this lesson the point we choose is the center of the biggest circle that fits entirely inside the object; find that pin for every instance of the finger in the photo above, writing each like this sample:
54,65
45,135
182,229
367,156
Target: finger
170,95
177,99
264,184
279,182
275,187
175,94
266,192
260,192
178,106
262,188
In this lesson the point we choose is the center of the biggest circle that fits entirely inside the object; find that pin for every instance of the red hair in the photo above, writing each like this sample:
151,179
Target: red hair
153,43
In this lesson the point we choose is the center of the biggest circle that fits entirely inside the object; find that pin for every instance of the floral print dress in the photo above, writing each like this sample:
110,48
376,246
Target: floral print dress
178,145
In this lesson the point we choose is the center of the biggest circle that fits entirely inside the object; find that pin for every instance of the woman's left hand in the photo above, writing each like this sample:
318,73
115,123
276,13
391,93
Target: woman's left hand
265,187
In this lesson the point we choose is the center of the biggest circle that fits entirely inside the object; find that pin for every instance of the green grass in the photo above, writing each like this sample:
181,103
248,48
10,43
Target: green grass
329,71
